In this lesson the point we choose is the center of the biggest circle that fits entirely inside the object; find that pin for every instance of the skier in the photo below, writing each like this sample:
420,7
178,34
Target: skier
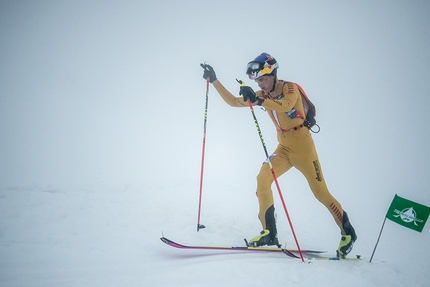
282,101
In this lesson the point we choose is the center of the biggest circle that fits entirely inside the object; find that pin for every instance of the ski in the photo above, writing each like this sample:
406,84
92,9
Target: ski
357,258
289,252
308,254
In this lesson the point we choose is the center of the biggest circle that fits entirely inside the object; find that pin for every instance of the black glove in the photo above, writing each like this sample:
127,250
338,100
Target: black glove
208,73
248,93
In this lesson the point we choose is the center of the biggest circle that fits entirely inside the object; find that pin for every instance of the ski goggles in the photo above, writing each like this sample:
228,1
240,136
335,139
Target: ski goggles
254,69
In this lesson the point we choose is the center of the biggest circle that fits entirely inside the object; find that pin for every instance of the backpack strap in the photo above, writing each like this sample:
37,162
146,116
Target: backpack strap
308,108
290,130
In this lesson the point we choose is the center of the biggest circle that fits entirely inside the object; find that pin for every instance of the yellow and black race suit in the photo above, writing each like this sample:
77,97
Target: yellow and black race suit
295,149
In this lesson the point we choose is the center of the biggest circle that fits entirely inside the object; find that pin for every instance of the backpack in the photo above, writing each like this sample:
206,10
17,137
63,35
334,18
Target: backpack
310,110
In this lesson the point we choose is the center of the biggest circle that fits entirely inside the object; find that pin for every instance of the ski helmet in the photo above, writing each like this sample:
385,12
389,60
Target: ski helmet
262,65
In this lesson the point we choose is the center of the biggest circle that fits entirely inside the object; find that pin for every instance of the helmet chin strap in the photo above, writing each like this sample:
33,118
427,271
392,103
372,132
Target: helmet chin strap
274,84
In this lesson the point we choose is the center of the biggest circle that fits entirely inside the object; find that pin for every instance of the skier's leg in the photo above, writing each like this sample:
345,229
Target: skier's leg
264,193
306,161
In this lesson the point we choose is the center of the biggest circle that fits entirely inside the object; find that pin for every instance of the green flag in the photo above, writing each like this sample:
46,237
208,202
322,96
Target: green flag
408,213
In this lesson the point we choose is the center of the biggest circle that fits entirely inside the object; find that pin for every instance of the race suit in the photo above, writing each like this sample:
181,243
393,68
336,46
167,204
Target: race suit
295,149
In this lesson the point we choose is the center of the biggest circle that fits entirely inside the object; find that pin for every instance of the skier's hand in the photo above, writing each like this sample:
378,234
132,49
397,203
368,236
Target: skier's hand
209,73
247,93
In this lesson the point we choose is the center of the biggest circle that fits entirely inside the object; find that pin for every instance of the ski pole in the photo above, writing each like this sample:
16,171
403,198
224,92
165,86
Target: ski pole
273,173
201,226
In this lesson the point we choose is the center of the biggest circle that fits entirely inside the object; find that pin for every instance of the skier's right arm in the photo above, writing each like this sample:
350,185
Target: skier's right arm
229,98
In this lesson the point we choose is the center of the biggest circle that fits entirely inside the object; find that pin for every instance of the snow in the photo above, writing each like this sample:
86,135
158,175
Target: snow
69,236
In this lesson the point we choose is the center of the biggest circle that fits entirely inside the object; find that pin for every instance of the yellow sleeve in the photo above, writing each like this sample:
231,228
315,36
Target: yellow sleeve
291,94
228,97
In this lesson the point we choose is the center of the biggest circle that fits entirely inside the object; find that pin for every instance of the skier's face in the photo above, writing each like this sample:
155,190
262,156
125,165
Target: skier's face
265,83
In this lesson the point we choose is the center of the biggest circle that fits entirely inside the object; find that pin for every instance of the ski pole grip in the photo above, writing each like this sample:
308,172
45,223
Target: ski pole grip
205,68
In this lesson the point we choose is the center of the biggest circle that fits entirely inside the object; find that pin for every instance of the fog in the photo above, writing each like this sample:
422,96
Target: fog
111,93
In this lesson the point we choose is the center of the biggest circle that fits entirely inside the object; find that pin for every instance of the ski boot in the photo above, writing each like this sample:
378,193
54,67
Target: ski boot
269,236
347,240
265,238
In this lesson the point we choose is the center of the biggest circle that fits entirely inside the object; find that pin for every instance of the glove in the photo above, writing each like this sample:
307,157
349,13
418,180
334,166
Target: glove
248,93
208,73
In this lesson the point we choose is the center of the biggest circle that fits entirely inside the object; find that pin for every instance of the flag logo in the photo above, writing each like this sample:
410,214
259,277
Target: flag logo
408,215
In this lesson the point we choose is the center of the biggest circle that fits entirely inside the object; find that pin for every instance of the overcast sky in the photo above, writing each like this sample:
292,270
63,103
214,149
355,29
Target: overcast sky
111,92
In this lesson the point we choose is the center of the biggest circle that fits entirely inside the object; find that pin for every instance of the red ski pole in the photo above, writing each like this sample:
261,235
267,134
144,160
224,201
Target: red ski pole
201,226
274,175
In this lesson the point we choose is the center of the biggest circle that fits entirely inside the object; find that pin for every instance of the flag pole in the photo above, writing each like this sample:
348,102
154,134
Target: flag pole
376,245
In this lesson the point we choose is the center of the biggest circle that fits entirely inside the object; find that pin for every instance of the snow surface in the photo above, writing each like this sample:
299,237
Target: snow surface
70,236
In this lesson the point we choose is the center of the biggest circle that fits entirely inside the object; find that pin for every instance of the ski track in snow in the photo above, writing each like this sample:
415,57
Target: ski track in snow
110,237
